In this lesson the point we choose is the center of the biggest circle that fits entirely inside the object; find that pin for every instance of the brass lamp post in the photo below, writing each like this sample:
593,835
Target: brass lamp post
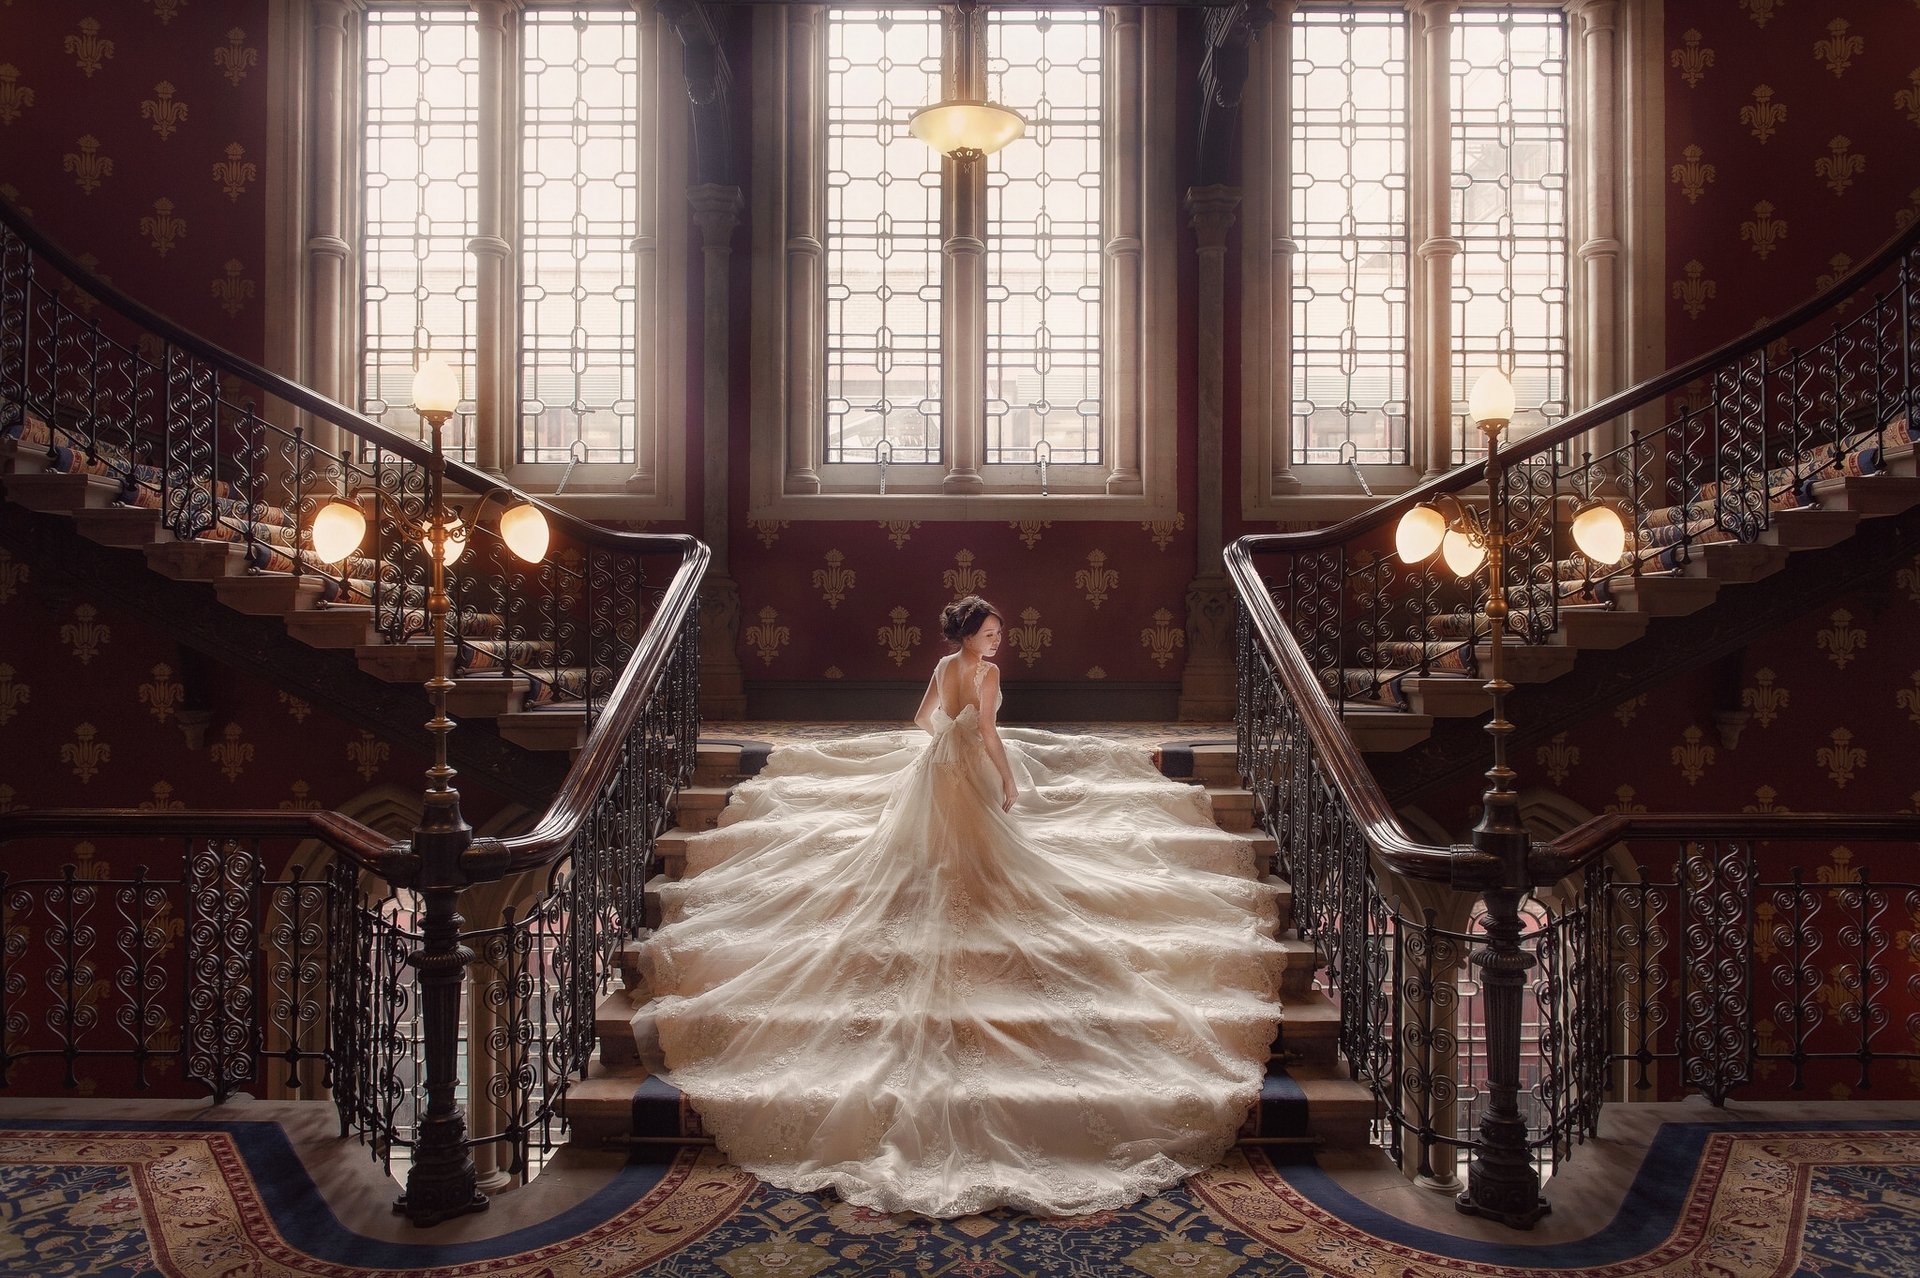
1502,1183
443,857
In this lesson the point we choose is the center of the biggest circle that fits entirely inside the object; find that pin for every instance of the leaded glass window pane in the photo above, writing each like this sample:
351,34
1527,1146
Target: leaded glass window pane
883,238
1043,240
579,211
1509,212
1349,222
421,146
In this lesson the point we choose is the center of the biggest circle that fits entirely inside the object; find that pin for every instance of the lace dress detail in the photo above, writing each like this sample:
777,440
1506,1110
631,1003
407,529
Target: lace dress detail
874,980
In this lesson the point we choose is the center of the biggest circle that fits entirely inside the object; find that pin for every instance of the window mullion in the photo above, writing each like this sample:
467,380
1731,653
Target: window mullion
1431,333
495,346
963,271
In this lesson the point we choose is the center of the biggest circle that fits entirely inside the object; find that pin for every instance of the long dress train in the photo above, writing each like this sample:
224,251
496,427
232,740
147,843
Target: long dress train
873,979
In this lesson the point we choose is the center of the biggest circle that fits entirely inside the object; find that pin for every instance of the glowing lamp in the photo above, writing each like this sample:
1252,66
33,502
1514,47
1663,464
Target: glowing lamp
456,543
524,529
337,529
1600,534
1419,533
966,130
1462,554
1491,399
436,389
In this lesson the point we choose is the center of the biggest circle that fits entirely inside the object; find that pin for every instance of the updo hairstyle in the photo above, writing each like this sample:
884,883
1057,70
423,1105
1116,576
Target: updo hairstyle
964,617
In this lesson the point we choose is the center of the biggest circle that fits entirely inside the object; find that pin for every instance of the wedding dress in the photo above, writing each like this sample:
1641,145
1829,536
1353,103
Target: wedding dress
873,979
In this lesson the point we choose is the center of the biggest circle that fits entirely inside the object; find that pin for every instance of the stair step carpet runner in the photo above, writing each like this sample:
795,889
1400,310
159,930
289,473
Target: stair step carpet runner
266,536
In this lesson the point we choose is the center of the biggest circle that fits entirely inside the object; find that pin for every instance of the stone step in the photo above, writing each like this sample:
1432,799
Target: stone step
716,763
1310,1028
1232,808
1665,596
1340,1110
1382,731
129,526
196,560
487,696
333,626
1869,496
1736,562
1447,696
698,807
397,662
548,728
1526,663
1806,529
60,492
268,594
1599,629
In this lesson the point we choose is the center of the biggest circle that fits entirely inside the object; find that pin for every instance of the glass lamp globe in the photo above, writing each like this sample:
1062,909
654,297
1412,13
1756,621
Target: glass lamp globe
456,544
1462,554
1419,533
337,529
1491,399
525,531
966,129
436,388
1600,534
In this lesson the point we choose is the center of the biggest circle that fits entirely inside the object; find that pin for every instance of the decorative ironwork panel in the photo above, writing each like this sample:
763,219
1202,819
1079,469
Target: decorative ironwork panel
1348,222
1509,212
883,238
223,943
1716,900
1043,239
579,201
421,146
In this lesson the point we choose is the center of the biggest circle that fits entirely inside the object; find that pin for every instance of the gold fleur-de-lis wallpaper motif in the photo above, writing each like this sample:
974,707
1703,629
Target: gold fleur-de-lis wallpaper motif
1029,637
835,580
768,636
1841,641
1690,60
1029,530
1096,580
1693,173
162,229
1907,699
1096,672
1694,292
302,800
1765,799
1908,100
1162,638
15,97
1840,47
1764,699
8,800
162,800
86,752
1627,709
1162,530
1840,757
1624,802
1763,116
234,59
1907,579
963,578
1839,867
234,172
899,531
88,166
13,575
767,530
899,638
1839,166
1903,218
1558,758
1761,11
232,291
231,753
1693,756
12,695
166,10
367,754
296,707
164,110
1837,266
86,635
1764,230
164,695
88,48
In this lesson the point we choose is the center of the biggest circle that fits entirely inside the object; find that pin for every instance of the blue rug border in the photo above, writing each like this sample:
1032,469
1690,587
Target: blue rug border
1646,1217
307,1222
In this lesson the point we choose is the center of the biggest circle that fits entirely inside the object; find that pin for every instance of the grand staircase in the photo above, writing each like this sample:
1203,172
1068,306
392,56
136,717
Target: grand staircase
1309,1099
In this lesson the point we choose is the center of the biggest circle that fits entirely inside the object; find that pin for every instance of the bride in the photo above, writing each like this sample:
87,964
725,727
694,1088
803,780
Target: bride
964,967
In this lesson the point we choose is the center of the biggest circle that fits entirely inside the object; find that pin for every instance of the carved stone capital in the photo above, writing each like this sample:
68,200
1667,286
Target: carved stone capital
716,211
722,684
1212,211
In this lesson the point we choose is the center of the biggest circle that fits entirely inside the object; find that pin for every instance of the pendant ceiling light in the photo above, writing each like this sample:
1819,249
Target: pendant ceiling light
966,127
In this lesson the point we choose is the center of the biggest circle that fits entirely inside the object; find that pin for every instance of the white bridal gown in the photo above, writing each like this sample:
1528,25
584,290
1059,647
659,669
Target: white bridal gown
872,979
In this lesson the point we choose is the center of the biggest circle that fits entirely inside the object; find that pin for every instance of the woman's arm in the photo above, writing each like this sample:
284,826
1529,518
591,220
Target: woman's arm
923,717
989,685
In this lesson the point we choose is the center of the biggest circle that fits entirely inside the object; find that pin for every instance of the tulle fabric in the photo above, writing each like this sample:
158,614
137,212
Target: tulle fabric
874,980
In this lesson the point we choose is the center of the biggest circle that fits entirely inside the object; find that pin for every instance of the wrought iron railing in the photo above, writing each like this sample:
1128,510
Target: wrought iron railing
316,971
1333,623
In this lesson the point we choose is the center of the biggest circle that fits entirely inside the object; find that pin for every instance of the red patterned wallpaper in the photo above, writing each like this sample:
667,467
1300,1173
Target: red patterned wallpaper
1791,135
134,132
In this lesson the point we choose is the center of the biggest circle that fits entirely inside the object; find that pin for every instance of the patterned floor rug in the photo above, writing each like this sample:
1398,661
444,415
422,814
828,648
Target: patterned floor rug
1733,1200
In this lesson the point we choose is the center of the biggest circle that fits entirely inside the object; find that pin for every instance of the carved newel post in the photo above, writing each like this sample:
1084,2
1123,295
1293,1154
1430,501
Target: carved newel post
716,210
1208,687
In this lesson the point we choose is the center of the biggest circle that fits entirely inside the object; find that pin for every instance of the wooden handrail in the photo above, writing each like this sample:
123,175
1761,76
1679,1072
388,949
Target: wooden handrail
1585,842
360,843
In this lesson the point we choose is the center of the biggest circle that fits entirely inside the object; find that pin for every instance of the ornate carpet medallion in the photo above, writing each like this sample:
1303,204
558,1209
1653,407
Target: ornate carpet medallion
1733,1200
